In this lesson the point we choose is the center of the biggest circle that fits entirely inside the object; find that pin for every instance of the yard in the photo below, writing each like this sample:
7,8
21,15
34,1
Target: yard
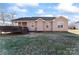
45,43
74,31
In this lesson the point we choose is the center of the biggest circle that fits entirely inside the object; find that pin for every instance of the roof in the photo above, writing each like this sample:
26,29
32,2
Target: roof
34,18
77,22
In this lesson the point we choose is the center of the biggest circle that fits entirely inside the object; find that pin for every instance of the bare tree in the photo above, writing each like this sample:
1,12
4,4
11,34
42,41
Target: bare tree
4,17
2,14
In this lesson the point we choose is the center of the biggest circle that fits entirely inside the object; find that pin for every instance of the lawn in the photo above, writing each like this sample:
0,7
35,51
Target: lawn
45,43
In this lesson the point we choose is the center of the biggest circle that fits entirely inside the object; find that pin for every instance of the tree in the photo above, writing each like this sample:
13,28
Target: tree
4,17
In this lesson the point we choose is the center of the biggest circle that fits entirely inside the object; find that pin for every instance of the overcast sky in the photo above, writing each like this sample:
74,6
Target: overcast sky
69,10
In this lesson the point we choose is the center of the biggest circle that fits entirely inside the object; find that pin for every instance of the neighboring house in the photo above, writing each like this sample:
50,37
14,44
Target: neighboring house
43,23
74,25
77,24
71,25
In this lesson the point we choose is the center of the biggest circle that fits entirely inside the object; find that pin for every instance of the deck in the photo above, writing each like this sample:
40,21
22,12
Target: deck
13,29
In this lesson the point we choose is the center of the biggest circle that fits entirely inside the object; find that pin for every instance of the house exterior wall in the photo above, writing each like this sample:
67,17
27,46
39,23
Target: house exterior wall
60,21
39,24
47,26
31,25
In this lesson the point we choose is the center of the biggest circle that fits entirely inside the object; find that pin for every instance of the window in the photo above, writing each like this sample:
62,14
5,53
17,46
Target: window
60,26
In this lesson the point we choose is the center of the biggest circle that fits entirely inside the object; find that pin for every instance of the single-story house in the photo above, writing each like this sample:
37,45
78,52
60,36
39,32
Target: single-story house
77,24
74,25
42,23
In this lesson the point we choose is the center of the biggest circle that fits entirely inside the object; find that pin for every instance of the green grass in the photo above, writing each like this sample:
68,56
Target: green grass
53,43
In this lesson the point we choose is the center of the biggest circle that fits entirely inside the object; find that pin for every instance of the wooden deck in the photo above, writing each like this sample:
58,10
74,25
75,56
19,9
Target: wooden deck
13,29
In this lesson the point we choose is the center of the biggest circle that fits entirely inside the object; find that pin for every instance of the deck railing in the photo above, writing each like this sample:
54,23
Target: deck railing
14,29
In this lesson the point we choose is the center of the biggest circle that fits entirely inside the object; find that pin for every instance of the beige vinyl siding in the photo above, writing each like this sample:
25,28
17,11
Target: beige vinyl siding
47,26
40,24
31,25
60,21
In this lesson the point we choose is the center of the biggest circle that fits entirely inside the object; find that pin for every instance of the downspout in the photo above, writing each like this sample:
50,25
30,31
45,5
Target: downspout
43,25
51,25
35,25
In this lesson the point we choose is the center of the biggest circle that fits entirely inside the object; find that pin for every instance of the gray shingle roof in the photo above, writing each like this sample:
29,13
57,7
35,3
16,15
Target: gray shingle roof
34,18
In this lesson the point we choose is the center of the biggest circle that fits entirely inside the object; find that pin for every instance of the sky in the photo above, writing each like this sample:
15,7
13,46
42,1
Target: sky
68,10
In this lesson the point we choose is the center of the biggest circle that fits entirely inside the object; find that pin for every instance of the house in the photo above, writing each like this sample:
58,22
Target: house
77,25
74,25
43,23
